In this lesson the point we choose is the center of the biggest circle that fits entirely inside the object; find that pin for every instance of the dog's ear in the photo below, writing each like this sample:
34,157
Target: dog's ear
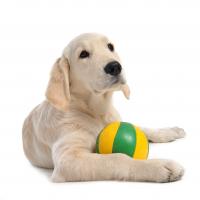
58,90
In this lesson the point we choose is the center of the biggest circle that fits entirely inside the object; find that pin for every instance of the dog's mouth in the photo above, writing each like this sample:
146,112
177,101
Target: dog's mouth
118,80
114,84
114,81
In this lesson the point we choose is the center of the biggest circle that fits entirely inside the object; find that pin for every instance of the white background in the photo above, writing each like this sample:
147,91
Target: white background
159,44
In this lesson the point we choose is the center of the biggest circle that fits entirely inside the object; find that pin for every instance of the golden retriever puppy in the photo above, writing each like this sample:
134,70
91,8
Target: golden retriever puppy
61,132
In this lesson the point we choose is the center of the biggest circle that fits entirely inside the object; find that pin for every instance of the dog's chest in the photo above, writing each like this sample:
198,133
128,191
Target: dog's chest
104,120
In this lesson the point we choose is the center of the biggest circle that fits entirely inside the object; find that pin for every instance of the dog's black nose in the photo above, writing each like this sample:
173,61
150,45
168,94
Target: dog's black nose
113,68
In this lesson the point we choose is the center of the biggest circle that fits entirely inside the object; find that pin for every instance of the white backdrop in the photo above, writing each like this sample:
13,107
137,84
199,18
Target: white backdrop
159,44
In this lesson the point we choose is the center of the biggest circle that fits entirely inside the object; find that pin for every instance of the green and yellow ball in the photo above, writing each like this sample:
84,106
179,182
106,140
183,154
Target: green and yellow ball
123,137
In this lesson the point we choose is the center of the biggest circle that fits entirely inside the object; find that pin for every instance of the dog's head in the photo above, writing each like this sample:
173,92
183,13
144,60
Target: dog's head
90,63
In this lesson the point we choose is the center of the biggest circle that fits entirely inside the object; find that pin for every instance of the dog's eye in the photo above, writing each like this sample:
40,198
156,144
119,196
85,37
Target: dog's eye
111,47
84,54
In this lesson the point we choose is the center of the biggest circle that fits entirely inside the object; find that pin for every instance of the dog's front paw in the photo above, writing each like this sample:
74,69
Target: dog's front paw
165,170
171,134
178,132
167,134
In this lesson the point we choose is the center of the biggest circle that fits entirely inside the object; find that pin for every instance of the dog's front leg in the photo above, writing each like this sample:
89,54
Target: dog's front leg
164,134
76,163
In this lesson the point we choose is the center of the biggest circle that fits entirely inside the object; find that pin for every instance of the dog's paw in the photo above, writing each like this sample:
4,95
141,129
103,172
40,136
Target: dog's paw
179,132
167,134
165,171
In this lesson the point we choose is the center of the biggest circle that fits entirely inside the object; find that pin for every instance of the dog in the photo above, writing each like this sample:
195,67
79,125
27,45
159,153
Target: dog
61,132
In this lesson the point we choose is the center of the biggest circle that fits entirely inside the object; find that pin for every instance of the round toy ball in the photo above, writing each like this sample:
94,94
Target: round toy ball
123,137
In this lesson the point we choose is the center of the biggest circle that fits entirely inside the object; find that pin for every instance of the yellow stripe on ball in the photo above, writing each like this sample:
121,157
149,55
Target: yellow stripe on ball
142,145
107,137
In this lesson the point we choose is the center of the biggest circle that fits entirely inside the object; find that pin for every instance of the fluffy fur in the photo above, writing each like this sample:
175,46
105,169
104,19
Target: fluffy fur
61,132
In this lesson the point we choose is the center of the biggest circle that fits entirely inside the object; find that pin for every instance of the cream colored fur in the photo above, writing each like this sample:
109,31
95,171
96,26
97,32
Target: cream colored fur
61,132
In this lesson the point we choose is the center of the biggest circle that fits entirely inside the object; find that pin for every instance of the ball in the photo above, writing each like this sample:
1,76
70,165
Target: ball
123,137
